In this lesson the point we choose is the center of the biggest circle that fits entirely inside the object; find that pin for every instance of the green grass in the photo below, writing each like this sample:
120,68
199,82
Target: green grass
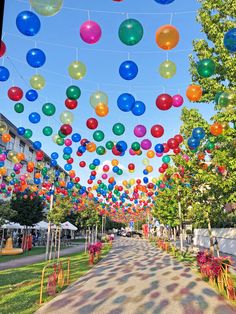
19,287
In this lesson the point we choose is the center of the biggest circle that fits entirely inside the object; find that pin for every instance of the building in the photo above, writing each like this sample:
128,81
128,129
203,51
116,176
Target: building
20,144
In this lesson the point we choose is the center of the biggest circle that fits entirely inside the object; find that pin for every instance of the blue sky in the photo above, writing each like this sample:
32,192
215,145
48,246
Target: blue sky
60,40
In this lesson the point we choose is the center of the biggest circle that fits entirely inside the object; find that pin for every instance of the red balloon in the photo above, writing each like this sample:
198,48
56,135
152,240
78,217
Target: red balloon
71,103
77,179
161,170
157,130
115,151
179,138
70,161
106,168
15,93
79,153
92,123
39,155
177,150
172,143
84,141
93,173
166,148
2,48
131,166
90,181
82,164
66,129
164,102
164,166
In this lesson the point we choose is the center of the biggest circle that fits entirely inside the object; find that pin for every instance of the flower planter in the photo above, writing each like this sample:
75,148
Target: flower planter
91,258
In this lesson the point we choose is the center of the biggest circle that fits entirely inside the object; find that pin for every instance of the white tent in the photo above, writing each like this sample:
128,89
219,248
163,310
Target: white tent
12,225
68,226
41,225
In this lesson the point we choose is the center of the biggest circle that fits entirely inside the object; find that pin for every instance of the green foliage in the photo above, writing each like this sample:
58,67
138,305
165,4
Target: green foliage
6,213
60,209
28,207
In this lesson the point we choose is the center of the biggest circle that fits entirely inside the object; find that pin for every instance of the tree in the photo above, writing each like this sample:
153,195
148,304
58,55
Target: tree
6,213
60,209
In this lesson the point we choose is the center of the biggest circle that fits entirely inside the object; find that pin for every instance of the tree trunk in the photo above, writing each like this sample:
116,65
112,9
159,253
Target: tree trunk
52,238
210,236
174,235
59,243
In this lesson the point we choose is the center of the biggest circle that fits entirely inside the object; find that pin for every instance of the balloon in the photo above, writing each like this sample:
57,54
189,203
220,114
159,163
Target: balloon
150,153
164,102
35,58
37,82
121,146
128,70
130,32
230,40
46,7
77,70
2,48
193,142
164,1
125,102
92,123
172,143
101,110
109,145
226,99
97,98
198,133
31,95
206,67
34,117
216,129
15,93
140,130
135,146
91,147
157,130
98,136
179,138
167,37
73,92
159,148
47,131
28,133
194,92
6,138
177,101
71,103
138,108
167,69
21,131
19,107
4,74
146,144
118,129
76,137
28,23
166,159
54,155
100,150
66,129
37,145
67,117
48,109
90,32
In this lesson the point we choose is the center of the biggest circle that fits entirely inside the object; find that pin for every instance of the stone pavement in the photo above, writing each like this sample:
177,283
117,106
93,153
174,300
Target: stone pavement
136,278
28,260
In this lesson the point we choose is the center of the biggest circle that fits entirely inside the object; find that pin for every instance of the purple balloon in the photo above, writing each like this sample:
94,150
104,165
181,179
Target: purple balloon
140,130
159,154
177,100
90,32
146,144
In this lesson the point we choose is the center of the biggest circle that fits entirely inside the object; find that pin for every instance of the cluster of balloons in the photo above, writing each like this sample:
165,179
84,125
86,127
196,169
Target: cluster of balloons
99,102
197,135
165,101
126,102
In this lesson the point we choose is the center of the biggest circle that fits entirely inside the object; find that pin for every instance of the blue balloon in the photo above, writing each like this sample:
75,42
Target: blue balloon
198,133
54,155
2,164
68,167
53,163
67,150
31,95
21,130
230,40
81,149
35,58
159,148
96,162
4,74
70,185
193,142
164,1
57,173
34,117
138,108
115,169
128,70
37,181
145,172
145,180
92,177
76,137
37,145
125,102
28,23
121,146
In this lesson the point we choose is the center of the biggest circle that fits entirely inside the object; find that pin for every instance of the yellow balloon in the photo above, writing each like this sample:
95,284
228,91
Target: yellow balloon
145,162
77,70
131,181
115,162
15,159
67,117
11,154
167,69
150,153
154,180
37,82
97,98
55,137
46,7
40,165
125,182
149,168
3,127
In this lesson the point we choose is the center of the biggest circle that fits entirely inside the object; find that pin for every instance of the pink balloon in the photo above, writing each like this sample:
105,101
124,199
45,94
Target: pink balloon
140,130
159,154
68,142
186,157
132,152
90,32
146,144
104,176
177,100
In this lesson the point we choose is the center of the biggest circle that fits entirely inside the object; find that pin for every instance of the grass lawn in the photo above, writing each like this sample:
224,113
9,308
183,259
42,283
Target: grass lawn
19,287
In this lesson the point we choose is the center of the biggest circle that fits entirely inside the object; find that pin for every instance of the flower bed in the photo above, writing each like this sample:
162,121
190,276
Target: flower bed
94,250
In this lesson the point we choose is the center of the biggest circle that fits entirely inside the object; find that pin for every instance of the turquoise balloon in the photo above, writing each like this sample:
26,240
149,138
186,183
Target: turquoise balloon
130,32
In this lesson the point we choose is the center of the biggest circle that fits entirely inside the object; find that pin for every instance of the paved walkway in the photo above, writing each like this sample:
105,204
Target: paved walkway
28,260
136,278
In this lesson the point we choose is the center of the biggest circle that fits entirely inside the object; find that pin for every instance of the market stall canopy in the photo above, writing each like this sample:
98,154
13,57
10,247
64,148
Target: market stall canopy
67,225
12,225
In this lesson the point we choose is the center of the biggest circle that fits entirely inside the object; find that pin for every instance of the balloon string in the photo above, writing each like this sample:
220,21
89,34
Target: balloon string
76,54
89,15
171,18
15,69
167,56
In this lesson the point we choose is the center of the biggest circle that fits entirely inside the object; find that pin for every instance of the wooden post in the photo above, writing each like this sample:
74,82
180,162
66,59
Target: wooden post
49,224
180,223
59,243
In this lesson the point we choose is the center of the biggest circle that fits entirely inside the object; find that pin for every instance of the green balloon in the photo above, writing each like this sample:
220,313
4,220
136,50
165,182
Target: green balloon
100,150
60,141
120,172
210,146
28,133
167,69
57,183
47,131
61,134
166,159
48,109
98,136
109,145
223,100
206,67
73,92
130,32
78,186
92,167
135,146
66,156
19,107
118,129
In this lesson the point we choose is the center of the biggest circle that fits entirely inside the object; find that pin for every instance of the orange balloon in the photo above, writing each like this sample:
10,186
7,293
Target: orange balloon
3,171
30,164
72,173
201,156
91,147
6,138
101,110
37,175
21,156
167,37
62,183
150,153
194,92
114,162
216,129
149,169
